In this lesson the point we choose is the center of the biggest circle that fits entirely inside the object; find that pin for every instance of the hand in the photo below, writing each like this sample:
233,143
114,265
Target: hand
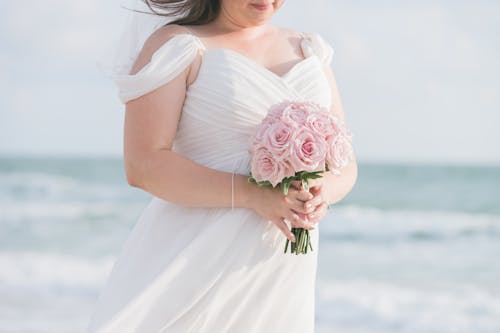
273,205
317,207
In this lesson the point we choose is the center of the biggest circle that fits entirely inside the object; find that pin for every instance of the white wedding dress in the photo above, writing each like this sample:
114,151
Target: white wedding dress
215,270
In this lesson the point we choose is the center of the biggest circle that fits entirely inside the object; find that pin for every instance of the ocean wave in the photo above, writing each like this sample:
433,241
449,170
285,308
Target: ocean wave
36,221
355,223
45,271
35,185
40,210
385,306
49,292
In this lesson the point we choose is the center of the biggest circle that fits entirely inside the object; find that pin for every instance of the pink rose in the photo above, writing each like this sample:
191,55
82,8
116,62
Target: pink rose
265,167
339,152
321,124
294,114
335,122
278,139
308,151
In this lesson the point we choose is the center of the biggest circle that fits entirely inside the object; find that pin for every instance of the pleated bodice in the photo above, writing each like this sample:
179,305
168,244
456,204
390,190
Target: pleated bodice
230,95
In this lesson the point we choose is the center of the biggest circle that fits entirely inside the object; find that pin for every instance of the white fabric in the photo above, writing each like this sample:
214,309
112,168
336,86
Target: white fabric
208,270
315,44
166,63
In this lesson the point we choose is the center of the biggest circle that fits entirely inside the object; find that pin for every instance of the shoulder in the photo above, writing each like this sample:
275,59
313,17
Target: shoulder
161,60
154,42
162,35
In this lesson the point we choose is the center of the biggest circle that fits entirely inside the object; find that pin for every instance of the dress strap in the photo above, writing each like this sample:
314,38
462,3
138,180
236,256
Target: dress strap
168,61
314,44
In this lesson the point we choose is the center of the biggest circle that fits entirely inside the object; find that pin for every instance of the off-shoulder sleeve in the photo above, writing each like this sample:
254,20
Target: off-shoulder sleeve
166,63
314,43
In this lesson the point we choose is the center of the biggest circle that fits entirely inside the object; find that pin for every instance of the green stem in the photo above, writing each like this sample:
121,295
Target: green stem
307,239
301,242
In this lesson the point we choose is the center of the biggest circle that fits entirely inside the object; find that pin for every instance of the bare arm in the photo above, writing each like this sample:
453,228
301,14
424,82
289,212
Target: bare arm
150,164
338,186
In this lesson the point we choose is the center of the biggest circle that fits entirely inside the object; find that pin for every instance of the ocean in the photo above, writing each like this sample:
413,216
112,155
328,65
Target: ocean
413,248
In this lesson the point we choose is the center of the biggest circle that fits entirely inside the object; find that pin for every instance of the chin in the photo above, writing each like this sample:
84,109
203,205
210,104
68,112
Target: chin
262,17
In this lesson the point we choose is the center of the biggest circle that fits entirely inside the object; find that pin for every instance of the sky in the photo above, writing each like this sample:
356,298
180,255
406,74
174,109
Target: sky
419,80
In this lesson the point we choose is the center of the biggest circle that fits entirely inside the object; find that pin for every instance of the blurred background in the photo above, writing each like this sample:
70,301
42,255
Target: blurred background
414,247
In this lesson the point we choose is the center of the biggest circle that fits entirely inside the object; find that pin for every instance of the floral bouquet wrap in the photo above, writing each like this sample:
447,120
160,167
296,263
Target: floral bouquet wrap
297,141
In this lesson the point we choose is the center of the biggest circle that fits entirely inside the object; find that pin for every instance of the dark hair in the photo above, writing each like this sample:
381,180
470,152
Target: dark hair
192,12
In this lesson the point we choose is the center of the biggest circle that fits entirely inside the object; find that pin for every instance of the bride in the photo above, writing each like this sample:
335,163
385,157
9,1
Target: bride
206,254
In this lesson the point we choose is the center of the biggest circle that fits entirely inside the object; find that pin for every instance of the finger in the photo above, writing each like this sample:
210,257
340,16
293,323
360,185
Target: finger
318,213
299,207
303,195
291,198
306,207
298,194
311,205
316,188
299,222
292,201
281,224
316,183
297,184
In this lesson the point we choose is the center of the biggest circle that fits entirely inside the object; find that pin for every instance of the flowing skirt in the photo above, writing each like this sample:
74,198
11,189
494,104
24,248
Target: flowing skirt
207,270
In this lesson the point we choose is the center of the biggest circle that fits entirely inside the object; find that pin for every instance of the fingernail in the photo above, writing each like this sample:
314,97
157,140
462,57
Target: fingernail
312,215
293,238
308,205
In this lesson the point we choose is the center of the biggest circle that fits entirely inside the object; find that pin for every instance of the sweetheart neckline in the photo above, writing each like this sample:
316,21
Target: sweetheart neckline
283,80
252,61
261,67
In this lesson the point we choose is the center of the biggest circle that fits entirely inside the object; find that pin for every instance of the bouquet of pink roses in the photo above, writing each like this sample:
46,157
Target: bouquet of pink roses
297,141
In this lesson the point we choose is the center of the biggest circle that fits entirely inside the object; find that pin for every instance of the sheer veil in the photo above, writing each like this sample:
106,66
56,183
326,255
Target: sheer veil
139,24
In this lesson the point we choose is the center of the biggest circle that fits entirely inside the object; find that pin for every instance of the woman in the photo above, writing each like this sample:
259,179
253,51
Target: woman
207,253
